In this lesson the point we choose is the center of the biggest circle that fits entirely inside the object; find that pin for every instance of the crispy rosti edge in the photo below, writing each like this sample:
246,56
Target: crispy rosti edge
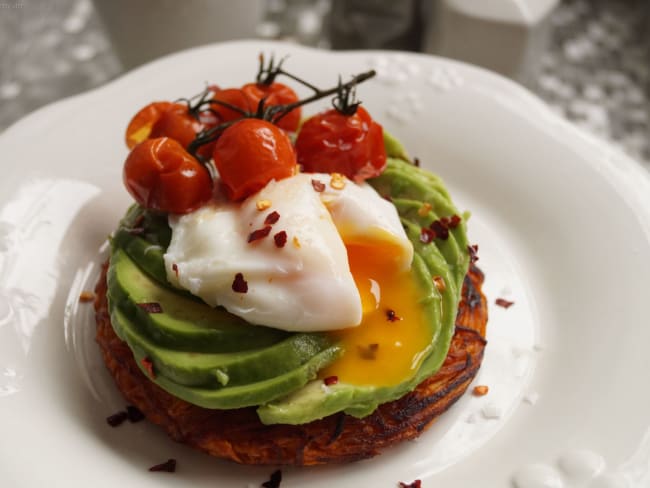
238,435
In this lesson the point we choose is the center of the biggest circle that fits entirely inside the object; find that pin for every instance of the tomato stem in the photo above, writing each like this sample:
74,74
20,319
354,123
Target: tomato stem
345,101
283,110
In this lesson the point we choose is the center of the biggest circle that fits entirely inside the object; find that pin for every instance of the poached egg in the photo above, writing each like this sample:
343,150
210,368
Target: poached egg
304,284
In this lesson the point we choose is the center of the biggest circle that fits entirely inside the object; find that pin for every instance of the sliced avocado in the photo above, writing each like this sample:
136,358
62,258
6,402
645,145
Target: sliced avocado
231,395
185,324
217,370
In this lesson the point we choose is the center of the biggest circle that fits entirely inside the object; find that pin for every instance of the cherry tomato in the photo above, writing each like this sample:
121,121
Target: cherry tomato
331,142
140,126
177,123
232,96
275,94
161,175
249,154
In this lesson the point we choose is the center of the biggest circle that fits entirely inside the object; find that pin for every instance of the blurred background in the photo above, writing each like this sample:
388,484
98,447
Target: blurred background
588,59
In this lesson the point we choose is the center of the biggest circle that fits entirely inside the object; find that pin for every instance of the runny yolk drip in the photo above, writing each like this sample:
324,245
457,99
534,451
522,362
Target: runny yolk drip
393,337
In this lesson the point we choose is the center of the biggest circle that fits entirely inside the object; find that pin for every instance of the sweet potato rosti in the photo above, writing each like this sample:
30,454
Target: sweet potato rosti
239,435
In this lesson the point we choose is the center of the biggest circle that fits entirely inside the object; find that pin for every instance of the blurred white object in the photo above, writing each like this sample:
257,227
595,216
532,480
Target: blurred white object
506,36
146,29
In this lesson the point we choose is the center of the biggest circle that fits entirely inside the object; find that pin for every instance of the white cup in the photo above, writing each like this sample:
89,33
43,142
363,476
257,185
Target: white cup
142,30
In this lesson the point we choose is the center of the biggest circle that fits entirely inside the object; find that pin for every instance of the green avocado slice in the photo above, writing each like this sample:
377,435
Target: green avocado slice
185,324
226,397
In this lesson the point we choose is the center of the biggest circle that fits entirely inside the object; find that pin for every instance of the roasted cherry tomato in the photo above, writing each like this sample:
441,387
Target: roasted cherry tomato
232,96
177,123
275,94
161,175
331,142
249,154
141,124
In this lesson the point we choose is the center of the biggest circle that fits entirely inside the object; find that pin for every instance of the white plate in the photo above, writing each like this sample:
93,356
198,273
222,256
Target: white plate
564,231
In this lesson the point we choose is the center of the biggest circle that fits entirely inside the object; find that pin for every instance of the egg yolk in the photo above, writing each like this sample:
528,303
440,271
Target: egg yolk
393,337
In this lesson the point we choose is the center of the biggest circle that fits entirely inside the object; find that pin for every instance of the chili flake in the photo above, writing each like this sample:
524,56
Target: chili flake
331,380
439,281
473,253
147,364
296,242
258,234
425,209
272,218
274,481
239,284
319,186
502,302
391,316
168,466
440,229
415,484
454,221
175,269
480,390
151,307
116,419
86,296
134,414
416,162
280,239
262,205
369,351
427,235
338,181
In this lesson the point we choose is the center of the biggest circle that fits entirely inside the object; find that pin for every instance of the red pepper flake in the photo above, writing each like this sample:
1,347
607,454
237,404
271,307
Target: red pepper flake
168,466
331,380
272,218
175,269
502,302
480,390
258,234
425,209
151,307
391,316
147,364
86,296
454,222
319,186
262,205
134,414
116,419
473,253
239,284
440,229
280,239
369,351
427,235
416,162
274,481
415,484
439,281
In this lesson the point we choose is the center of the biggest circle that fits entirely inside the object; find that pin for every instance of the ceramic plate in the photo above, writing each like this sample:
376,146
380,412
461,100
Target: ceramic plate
563,227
